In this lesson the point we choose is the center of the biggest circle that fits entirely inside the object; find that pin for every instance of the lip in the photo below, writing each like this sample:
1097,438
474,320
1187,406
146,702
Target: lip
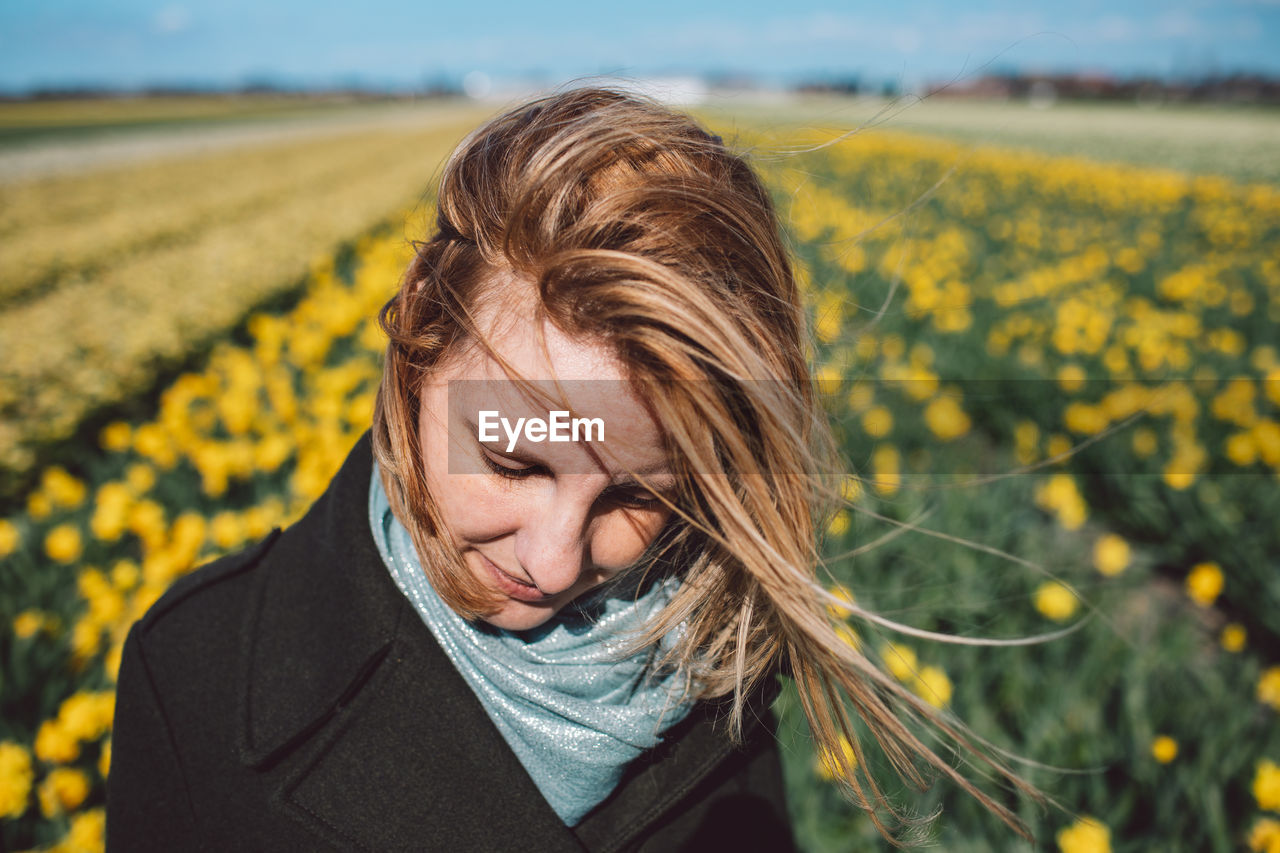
511,587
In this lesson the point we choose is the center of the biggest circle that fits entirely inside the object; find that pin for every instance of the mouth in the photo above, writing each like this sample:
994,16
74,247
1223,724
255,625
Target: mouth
511,586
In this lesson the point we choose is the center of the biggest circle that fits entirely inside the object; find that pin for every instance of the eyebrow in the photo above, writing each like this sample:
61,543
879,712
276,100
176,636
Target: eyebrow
622,480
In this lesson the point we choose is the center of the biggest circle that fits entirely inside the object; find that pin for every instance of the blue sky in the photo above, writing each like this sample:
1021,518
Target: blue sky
138,42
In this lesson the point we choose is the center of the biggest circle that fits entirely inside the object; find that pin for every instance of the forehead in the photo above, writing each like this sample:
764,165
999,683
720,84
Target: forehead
507,317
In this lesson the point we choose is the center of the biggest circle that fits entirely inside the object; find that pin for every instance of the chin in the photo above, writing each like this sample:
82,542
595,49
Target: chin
517,616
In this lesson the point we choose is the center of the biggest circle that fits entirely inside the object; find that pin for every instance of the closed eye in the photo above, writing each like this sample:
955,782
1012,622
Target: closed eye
518,472
634,498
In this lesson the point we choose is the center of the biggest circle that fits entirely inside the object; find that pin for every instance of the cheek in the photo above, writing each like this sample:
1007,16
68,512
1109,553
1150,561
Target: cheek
468,503
624,535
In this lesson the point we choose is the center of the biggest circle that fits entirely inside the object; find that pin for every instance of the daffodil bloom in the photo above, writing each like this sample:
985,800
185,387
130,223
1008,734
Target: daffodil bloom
1087,835
1164,749
1269,687
1204,583
1266,785
16,776
1110,554
1233,637
1055,601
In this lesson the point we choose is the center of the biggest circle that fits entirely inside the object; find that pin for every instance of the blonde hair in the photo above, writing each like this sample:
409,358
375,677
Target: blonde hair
640,229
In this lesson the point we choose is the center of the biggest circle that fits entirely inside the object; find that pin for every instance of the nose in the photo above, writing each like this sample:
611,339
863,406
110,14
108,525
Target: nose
552,544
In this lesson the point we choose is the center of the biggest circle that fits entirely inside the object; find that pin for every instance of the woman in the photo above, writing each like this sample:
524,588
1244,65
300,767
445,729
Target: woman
485,637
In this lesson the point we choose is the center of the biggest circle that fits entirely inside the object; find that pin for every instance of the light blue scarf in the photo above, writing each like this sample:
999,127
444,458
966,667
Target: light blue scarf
571,709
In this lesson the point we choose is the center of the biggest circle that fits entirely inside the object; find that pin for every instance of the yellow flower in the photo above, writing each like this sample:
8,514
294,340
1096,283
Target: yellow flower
87,832
63,790
104,760
64,489
1178,478
933,686
226,529
839,524
1110,554
901,661
140,477
86,639
1265,836
877,421
125,575
1085,419
1269,687
1164,749
27,623
886,463
115,436
1071,377
1059,495
849,636
1057,445
841,594
827,379
945,418
851,488
54,744
828,765
16,776
861,396
1087,835
111,511
1055,601
1204,583
63,544
1026,438
1240,449
9,537
1266,785
39,505
1145,442
1232,637
87,716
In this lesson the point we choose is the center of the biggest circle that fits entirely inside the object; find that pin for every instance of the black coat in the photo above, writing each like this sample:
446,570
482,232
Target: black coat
289,697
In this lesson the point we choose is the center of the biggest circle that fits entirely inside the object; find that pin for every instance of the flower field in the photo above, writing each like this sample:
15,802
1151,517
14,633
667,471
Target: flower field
1057,384
107,279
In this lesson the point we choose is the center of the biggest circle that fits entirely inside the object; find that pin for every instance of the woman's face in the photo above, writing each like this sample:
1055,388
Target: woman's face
541,522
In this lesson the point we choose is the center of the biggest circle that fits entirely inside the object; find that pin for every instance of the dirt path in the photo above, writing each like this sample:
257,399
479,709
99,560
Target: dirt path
99,150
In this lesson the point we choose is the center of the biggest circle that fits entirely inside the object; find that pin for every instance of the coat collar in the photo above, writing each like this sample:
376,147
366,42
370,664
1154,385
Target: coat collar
348,700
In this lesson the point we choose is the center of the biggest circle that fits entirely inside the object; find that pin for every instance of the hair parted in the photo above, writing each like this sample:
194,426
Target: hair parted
633,226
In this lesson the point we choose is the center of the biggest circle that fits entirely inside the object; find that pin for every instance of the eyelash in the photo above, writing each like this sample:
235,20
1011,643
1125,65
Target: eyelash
509,473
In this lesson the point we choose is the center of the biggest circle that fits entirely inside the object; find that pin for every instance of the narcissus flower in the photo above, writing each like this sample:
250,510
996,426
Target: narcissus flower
901,661
16,776
1087,835
9,538
1164,749
933,686
1269,687
877,421
1055,601
63,544
1266,785
27,623
1265,836
828,765
63,790
1233,637
1204,583
1110,554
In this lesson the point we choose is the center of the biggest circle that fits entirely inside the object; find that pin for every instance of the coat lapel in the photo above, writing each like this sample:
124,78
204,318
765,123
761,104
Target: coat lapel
373,738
